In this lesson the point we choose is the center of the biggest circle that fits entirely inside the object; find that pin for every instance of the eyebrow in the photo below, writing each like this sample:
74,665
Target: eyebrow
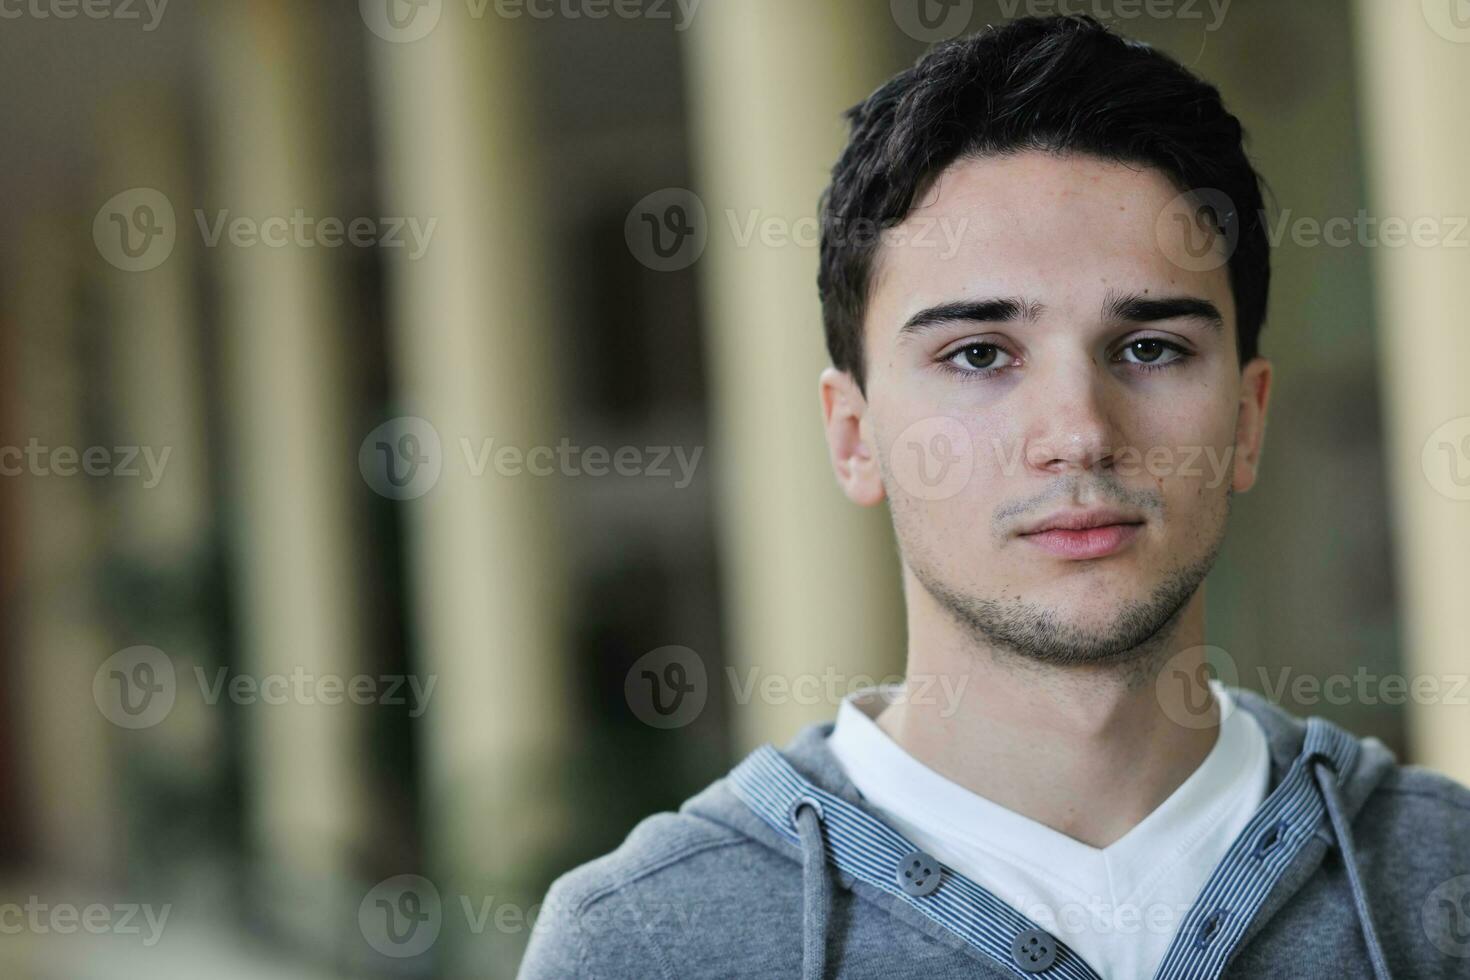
1133,308
998,310
1144,309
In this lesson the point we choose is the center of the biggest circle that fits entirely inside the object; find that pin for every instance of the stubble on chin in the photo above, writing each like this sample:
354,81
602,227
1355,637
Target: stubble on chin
1133,642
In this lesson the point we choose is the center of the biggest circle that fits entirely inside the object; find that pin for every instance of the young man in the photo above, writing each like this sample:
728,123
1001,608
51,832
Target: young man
1057,414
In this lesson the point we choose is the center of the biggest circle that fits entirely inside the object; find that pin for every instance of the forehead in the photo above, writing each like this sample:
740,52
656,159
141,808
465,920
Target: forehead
1062,229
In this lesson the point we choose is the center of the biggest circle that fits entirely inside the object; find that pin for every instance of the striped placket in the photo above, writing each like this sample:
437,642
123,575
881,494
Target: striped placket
864,847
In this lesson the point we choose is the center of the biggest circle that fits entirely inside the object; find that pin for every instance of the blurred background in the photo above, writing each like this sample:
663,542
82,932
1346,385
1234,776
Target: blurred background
395,393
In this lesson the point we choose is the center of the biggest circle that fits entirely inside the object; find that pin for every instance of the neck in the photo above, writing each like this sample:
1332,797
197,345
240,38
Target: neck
1086,751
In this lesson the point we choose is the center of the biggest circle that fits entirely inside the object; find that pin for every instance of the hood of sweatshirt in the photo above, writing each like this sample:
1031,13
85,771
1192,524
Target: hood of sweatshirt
798,802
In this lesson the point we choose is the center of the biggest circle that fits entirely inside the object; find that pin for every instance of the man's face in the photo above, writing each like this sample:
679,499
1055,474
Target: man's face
1056,344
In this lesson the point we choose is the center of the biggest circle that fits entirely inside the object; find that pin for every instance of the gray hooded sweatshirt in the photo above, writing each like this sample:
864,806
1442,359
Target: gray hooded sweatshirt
1353,867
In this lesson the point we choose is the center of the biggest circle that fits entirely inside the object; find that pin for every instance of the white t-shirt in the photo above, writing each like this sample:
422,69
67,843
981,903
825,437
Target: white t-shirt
1119,906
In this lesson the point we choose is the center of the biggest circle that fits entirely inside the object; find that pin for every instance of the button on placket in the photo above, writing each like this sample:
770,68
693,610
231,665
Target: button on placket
918,874
1034,950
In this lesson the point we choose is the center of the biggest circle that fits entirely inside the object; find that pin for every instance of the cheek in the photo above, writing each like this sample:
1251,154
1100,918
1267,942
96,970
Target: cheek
930,448
1191,469
931,462
942,479
1180,446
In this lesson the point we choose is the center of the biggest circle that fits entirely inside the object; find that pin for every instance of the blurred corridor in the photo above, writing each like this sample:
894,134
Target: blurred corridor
389,386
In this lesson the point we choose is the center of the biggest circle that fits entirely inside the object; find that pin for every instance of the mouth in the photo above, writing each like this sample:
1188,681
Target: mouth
1084,534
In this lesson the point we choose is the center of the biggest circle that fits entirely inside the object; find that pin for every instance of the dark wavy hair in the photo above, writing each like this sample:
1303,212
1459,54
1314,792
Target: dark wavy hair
1058,84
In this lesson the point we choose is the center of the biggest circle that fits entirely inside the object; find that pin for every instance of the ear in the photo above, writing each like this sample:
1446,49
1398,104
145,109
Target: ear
849,442
1250,421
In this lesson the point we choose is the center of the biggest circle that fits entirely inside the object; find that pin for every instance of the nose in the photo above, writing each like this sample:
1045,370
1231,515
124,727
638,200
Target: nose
1070,429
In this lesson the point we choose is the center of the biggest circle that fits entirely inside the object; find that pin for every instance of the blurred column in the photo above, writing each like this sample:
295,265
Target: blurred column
814,585
292,454
60,632
156,366
1416,66
156,549
472,337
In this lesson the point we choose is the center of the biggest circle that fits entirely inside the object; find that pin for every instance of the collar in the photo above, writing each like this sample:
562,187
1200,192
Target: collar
1272,857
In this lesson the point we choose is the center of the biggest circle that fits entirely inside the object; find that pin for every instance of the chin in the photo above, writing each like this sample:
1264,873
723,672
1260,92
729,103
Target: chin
1085,586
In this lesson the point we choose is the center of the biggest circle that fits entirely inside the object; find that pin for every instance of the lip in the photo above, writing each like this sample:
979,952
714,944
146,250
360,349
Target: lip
1081,534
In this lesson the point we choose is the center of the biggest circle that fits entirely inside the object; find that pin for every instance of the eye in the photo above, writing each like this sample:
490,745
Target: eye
978,358
1152,352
